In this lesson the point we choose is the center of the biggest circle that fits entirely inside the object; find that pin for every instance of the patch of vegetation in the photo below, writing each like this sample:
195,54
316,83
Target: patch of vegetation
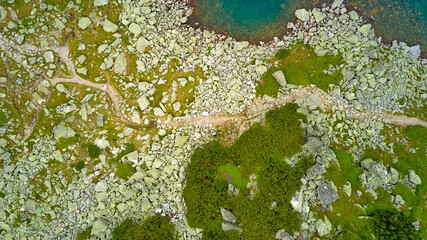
124,170
301,66
93,151
3,118
155,227
80,165
85,234
259,151
414,137
391,224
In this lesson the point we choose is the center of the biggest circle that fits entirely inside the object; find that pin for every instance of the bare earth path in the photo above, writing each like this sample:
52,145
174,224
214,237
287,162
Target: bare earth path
256,109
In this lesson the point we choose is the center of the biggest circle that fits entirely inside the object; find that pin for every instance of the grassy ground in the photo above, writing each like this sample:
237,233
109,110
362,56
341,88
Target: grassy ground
301,66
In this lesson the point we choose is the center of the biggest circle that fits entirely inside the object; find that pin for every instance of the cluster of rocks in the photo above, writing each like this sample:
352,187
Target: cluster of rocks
376,77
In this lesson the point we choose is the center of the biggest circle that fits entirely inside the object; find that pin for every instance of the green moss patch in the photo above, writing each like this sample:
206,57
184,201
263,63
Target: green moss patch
301,66
124,170
155,227
259,152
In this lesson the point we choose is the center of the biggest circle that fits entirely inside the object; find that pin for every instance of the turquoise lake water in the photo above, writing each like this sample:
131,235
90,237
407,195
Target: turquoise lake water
261,20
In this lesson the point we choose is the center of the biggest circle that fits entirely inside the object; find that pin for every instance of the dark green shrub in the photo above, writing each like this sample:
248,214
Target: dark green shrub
80,165
155,227
259,150
391,224
282,53
3,118
93,151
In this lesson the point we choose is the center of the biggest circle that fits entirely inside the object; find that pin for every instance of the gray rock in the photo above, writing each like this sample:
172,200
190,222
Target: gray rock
100,3
109,26
120,64
280,78
99,227
302,14
226,226
353,15
414,178
228,216
326,194
415,51
84,23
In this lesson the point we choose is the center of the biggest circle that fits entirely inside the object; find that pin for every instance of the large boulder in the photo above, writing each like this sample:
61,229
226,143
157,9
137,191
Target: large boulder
326,193
414,178
302,14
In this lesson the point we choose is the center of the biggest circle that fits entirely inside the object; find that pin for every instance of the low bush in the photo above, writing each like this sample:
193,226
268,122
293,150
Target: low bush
392,224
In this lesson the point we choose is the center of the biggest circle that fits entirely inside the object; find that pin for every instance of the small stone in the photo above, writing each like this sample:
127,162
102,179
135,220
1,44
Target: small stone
302,14
84,23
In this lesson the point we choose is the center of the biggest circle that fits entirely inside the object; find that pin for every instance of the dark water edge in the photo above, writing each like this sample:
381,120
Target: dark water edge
404,20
